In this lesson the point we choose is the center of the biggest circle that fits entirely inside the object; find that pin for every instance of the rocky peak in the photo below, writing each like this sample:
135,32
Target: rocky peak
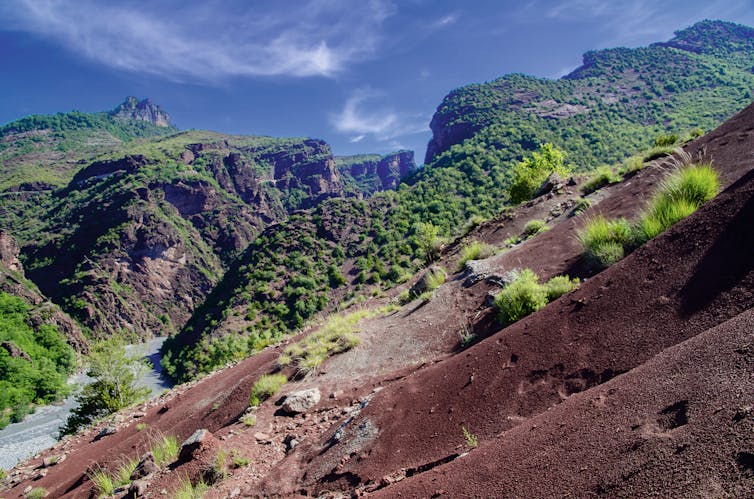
141,110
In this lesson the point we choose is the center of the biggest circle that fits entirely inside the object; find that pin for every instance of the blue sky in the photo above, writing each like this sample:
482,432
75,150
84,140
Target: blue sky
365,75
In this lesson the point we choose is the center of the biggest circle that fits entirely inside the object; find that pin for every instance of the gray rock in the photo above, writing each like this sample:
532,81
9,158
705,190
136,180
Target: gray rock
146,467
196,441
483,270
301,401
107,430
552,183
138,488
290,442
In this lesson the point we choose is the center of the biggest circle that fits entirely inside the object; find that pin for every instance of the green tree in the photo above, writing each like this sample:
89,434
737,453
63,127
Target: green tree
529,174
115,386
428,239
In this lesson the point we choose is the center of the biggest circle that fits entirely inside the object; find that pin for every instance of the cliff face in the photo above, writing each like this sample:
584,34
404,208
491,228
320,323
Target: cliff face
366,174
141,110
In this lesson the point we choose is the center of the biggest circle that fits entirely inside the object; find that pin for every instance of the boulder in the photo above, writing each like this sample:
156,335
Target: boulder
198,441
482,270
138,488
553,183
146,467
301,401
422,285
107,430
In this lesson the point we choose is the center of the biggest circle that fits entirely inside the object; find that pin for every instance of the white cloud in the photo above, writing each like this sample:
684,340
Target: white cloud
365,114
445,21
209,41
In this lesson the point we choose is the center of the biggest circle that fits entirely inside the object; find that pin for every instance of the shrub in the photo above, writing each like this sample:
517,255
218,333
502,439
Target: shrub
664,140
240,461
520,298
37,493
123,474
187,490
679,195
560,285
165,450
632,164
603,176
141,426
534,227
265,387
604,240
529,174
475,250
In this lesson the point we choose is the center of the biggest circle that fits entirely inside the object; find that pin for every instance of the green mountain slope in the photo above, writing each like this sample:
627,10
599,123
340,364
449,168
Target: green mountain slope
608,109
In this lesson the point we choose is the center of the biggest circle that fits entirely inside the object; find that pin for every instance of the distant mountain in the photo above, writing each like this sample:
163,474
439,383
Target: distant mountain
608,106
366,174
132,109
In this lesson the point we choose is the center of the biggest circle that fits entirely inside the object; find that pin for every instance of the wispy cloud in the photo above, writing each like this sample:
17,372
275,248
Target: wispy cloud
209,41
366,114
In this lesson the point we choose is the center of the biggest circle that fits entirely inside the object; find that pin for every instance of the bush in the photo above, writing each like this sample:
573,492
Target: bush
529,174
582,205
475,250
664,140
37,493
521,297
604,240
248,419
265,387
679,195
534,227
603,176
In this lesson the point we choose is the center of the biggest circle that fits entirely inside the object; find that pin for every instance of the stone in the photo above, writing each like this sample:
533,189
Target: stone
147,465
290,442
198,440
482,270
138,488
552,183
301,401
52,460
261,437
104,432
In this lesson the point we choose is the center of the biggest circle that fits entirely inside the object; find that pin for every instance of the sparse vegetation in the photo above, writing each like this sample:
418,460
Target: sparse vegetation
265,387
532,171
337,335
249,419
102,482
240,461
165,449
475,250
218,470
602,176
525,295
472,442
534,227
582,205
37,493
141,426
188,490
125,470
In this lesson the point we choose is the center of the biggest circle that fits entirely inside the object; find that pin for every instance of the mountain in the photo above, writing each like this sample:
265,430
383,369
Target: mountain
614,106
606,108
132,109
365,174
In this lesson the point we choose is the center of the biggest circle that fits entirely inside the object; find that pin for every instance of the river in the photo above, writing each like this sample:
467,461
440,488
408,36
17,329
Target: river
39,431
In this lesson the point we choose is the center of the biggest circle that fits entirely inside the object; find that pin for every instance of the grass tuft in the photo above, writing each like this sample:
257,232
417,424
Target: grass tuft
187,490
472,441
476,250
102,482
165,450
525,295
265,387
534,227
125,470
560,285
604,240
602,176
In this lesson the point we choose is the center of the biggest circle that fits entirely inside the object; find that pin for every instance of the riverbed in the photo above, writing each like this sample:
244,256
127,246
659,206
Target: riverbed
39,431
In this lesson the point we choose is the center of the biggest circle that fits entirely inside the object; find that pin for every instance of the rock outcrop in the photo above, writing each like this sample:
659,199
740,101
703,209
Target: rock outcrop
141,110
301,401
366,174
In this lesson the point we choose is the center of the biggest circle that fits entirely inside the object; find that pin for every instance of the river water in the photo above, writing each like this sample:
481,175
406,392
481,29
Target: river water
39,431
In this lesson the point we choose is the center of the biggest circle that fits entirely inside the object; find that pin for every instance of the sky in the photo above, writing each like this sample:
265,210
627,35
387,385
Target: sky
364,75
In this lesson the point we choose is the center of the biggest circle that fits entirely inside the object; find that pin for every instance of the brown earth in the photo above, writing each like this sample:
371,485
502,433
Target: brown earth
638,383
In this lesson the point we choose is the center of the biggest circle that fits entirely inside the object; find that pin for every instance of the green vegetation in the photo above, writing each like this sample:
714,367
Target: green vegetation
115,386
679,195
582,205
125,470
165,449
475,250
472,442
534,227
239,461
605,241
602,176
188,490
141,426
525,295
337,335
37,493
249,419
34,367
529,174
102,481
265,387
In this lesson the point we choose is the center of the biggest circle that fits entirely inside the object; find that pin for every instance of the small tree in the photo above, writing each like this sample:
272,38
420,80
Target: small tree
429,241
529,174
115,386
